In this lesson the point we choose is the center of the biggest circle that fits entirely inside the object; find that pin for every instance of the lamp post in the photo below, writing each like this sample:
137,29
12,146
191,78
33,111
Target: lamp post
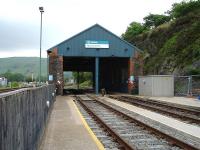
41,11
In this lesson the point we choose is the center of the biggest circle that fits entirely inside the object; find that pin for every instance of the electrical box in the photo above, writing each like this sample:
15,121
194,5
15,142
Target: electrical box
156,85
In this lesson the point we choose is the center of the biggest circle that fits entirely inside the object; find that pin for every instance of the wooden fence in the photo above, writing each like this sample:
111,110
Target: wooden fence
23,117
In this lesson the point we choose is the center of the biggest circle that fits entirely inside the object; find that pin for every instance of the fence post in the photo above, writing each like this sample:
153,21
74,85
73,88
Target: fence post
190,86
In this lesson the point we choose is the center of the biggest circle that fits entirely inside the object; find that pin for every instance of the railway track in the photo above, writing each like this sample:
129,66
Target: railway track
99,130
127,132
182,113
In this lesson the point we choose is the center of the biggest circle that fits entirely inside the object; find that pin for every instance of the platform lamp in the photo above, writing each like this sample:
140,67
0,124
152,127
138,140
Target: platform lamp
41,9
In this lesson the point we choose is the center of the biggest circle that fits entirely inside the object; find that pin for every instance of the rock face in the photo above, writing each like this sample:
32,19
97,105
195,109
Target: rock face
173,47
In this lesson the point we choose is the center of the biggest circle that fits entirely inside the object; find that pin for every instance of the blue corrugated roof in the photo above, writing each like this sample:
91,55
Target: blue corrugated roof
98,32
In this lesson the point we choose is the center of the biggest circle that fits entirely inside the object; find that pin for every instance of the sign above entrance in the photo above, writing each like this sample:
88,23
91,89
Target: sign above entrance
96,44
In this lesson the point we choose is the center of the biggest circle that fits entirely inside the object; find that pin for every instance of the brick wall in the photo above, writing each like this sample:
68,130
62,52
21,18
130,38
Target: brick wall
135,66
56,69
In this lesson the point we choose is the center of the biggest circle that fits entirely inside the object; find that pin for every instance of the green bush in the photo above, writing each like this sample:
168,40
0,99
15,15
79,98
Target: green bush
86,84
14,84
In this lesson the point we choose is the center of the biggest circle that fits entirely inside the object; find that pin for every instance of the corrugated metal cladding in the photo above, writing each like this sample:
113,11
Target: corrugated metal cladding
75,46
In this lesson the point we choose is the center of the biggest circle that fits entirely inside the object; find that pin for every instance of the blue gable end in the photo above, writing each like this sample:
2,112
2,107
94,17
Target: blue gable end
87,44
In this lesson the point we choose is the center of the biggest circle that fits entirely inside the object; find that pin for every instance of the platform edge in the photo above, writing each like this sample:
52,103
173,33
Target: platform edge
95,139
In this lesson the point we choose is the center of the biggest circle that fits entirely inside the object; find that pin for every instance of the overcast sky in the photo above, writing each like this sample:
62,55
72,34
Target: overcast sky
20,20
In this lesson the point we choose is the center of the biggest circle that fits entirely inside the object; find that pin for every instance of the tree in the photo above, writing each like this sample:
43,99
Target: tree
83,76
154,20
13,76
133,30
183,8
28,79
18,77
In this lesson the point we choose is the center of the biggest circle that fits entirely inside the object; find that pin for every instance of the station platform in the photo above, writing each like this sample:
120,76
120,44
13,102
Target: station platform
67,130
187,101
173,123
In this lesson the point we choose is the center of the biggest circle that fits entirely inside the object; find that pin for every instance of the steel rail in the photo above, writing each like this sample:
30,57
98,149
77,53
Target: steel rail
144,104
172,140
125,144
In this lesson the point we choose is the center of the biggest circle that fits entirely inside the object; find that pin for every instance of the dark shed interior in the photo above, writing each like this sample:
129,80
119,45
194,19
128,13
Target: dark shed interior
113,71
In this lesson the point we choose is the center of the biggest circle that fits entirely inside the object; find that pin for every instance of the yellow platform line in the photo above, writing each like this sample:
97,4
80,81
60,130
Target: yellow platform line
95,139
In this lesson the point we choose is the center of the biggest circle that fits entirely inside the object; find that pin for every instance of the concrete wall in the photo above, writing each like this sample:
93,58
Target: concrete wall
23,117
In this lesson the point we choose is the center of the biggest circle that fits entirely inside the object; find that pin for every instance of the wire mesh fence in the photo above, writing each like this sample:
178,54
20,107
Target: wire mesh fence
195,87
187,85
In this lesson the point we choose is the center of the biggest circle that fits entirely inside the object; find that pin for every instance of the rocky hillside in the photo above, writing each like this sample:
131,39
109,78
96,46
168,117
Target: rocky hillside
173,47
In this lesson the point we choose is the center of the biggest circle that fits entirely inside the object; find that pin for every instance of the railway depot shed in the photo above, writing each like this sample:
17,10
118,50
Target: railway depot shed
111,60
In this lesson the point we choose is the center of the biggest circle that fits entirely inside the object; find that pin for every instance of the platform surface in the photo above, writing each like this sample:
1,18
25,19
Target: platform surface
181,126
177,100
65,130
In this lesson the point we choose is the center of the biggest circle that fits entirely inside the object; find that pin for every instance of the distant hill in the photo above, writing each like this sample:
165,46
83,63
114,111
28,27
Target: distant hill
23,65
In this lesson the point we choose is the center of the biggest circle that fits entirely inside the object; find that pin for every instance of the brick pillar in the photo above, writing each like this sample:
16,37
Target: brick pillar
135,67
56,69
138,60
130,73
60,78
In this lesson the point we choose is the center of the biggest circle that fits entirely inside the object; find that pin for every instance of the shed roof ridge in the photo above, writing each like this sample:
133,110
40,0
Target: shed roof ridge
91,28
119,37
72,37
